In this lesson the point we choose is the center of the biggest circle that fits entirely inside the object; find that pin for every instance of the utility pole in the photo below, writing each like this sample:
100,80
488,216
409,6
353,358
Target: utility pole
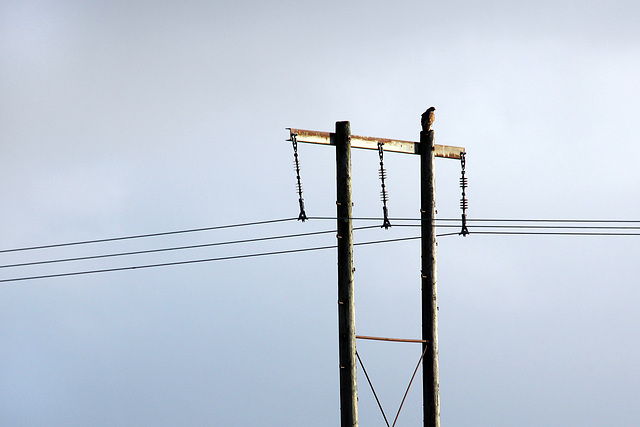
346,304
344,141
430,377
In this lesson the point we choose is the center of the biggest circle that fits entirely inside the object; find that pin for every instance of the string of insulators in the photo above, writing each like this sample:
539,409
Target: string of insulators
296,163
464,203
383,192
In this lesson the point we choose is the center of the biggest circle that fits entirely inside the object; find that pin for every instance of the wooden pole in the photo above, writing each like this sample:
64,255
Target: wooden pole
346,304
430,383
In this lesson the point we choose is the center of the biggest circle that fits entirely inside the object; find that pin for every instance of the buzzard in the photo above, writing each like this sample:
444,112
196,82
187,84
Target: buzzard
427,119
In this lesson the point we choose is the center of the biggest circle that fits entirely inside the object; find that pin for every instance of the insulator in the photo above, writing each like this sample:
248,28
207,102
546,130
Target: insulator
382,173
296,166
464,182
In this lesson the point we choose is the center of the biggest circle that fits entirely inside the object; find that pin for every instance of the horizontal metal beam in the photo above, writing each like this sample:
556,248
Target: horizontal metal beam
371,143
363,337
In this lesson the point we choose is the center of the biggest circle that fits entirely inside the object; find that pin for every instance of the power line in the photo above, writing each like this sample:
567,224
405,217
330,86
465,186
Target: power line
139,236
548,227
165,264
272,221
225,258
494,229
542,230
552,233
539,227
551,220
203,245
148,251
546,220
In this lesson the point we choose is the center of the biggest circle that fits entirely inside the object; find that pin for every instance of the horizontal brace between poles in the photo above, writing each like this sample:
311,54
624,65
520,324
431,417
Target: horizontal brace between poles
362,337
371,143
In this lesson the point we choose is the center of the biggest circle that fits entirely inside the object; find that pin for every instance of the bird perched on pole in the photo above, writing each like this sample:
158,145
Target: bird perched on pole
427,119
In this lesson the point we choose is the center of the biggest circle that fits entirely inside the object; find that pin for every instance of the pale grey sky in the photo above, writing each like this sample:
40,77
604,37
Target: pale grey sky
123,118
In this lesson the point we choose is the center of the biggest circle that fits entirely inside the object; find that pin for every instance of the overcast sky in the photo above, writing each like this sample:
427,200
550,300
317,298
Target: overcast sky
129,117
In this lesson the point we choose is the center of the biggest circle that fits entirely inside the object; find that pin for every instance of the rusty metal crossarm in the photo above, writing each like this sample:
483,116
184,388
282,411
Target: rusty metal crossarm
371,143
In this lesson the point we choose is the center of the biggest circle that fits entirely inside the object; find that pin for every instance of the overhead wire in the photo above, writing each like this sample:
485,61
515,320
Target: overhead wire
546,220
565,227
139,236
556,227
544,230
487,219
194,261
544,227
219,227
553,233
176,248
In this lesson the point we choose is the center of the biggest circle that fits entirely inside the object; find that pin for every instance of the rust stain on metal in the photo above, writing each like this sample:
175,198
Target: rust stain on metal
371,143
313,136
